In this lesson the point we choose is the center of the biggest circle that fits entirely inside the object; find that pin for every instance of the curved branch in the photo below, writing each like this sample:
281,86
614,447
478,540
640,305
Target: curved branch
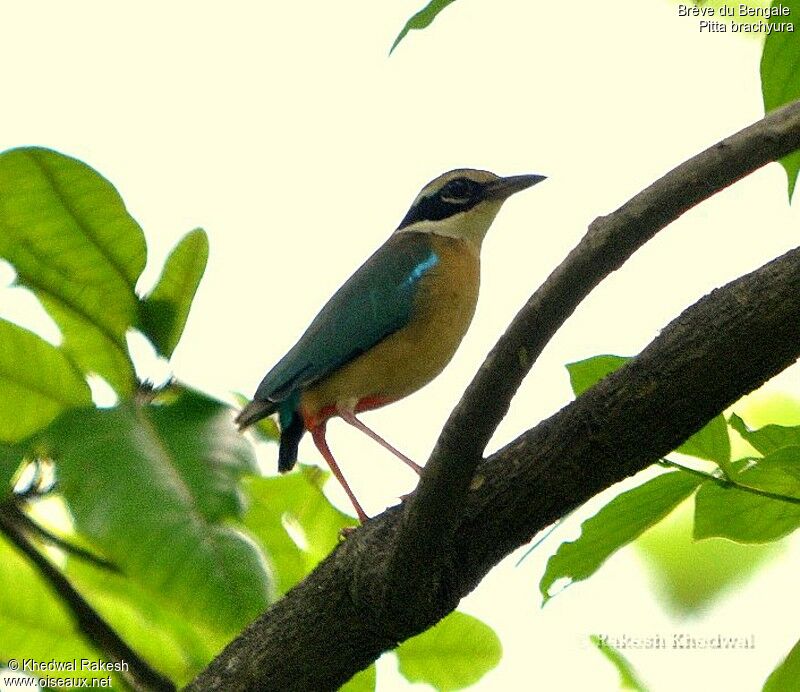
339,620
354,606
607,245
435,509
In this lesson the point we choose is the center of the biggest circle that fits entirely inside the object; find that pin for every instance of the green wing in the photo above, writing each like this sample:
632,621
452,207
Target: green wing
375,302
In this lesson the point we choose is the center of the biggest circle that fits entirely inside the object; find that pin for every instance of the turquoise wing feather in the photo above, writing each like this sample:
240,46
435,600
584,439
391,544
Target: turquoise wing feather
374,302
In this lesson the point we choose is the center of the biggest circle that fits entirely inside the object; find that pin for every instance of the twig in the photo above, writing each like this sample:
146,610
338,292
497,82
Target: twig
139,674
728,482
25,522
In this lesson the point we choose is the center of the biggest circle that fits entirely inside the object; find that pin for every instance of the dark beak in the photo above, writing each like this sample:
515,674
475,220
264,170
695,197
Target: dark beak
505,187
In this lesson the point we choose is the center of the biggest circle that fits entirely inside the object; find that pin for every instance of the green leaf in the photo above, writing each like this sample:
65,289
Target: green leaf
363,681
778,472
421,19
711,442
784,678
717,564
66,231
628,678
623,519
37,382
207,452
294,522
780,75
10,459
267,429
586,373
455,653
748,517
150,623
761,408
165,310
155,488
769,438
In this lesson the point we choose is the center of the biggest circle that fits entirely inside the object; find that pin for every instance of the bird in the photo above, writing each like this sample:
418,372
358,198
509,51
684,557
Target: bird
393,326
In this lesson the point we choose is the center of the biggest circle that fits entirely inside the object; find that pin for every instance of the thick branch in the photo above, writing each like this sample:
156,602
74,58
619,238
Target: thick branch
718,350
435,509
339,620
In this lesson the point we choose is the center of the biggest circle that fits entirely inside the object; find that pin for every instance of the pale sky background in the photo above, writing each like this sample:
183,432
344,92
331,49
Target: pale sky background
286,131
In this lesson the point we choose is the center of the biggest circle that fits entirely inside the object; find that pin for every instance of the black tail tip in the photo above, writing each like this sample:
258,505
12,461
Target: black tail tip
290,441
290,434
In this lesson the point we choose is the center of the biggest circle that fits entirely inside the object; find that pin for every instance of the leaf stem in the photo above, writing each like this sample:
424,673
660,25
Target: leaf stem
728,482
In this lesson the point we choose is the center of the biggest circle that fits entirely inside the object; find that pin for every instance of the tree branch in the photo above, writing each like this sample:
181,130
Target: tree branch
434,511
715,352
348,611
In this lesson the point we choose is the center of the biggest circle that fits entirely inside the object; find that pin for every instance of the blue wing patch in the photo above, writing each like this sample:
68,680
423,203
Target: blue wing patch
419,271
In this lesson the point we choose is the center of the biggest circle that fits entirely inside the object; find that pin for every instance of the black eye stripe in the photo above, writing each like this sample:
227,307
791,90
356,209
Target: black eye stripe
456,196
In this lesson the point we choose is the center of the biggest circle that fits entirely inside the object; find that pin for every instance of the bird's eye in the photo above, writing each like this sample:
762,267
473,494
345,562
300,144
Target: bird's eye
458,191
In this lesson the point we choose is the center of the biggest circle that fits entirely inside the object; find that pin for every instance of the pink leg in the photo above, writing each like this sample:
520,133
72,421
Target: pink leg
350,417
318,434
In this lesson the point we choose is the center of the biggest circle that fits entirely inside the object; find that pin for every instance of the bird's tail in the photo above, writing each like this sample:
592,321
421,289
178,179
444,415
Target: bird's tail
290,441
255,411
291,432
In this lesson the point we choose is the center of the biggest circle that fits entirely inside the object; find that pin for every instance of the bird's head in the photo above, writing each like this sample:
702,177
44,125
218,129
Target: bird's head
463,203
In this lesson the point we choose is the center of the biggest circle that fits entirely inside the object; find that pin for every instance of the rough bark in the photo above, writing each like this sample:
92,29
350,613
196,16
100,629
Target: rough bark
404,570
